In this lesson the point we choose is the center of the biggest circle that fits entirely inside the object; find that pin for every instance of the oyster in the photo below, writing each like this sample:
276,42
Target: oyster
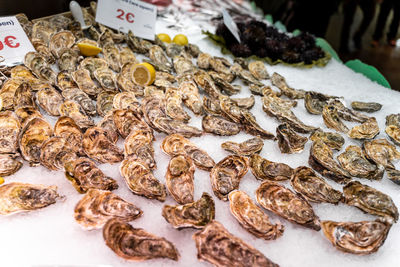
7,92
183,65
219,247
333,140
180,179
140,180
23,96
361,238
26,114
315,102
174,50
98,206
393,119
68,60
245,102
176,144
64,80
381,152
219,126
127,56
9,131
85,83
226,175
98,146
196,215
43,50
246,148
244,75
332,120
126,120
285,203
104,103
61,40
190,95
321,159
312,187
85,175
77,95
203,61
366,106
223,84
367,130
75,28
50,100
288,140
136,244
212,106
258,70
252,218
126,100
20,71
173,108
393,175
93,63
135,43
106,78
354,161
160,59
139,143
220,65
112,56
19,197
204,81
280,82
67,129
72,109
107,123
264,169
393,127
56,152
9,164
170,126
370,200
193,50
31,138
42,30
346,113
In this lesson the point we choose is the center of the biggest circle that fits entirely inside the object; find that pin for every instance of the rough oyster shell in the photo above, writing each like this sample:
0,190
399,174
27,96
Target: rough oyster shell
381,152
7,92
288,140
285,203
245,102
332,119
393,127
203,61
24,97
139,143
223,84
104,103
9,131
366,106
85,83
190,95
173,105
77,95
219,247
180,179
346,113
264,169
112,56
246,148
68,59
106,78
93,63
331,139
56,152
126,100
160,59
280,82
38,64
252,218
60,41
64,80
315,102
26,114
170,126
50,100
244,75
183,65
98,206
126,55
258,70
75,111
126,120
67,129
367,130
219,126
107,124
196,215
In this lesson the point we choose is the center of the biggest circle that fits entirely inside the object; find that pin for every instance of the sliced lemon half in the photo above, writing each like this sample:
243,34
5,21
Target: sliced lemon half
143,74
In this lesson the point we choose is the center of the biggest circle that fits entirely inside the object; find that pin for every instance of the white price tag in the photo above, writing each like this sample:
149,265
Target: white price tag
125,15
230,24
14,43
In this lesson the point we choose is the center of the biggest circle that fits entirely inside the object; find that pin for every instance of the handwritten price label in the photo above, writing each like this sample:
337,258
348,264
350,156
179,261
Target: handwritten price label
14,43
126,15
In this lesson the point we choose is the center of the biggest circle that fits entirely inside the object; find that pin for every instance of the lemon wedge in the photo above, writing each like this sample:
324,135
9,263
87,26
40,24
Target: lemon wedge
88,50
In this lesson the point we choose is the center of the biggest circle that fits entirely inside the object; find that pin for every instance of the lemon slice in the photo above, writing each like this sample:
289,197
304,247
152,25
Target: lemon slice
164,37
180,39
143,74
88,50
1,180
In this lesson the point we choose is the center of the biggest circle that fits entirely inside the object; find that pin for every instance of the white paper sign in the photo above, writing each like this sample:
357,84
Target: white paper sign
14,43
230,24
125,15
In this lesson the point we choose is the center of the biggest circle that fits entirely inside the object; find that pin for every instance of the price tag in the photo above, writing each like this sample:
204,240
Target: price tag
125,15
230,24
14,43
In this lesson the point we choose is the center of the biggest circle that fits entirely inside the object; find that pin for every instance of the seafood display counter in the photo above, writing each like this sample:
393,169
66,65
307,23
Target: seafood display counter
221,161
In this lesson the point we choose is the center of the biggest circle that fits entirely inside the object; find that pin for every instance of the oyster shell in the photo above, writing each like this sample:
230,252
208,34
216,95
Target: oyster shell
84,175
26,114
98,206
139,143
19,197
160,59
331,139
64,80
50,100
393,119
23,96
135,43
332,120
219,247
196,215
264,169
9,164
252,218
106,78
112,56
9,131
258,70
170,126
75,111
183,65
212,106
176,144
321,159
173,108
219,126
312,187
280,82
367,130
68,60
204,81
393,175
285,203
180,179
366,106
354,161
7,92
370,200
245,102
93,63
190,95
31,138
98,146
203,60
223,84
193,50
140,180
61,40
104,103
136,244
107,123
393,127
244,75
126,100
226,175
315,102
246,148
126,121
85,83
288,140
346,113
220,65
56,152
381,152
127,56
67,129
361,238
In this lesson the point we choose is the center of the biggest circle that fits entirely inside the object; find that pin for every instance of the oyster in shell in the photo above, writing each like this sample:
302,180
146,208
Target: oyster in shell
24,97
170,126
60,41
75,111
366,106
212,106
135,244
31,138
312,187
85,83
50,100
223,84
160,59
367,130
64,80
98,146
112,56
258,70
370,200
106,78
246,148
381,152
331,139
126,120
219,126
183,65
226,175
393,127
264,169
288,140
126,100
204,81
196,215
20,71
173,102
20,197
285,203
245,102
104,103
84,175
280,82
7,92
332,119
220,65
252,218
346,113
203,61
68,60
180,179
315,102
135,43
56,152
93,63
354,161
9,131
361,238
393,175
139,143
393,119
176,144
127,56
321,159
99,206
107,123
26,114
190,95
67,129
193,50
140,180
9,164
244,75
219,247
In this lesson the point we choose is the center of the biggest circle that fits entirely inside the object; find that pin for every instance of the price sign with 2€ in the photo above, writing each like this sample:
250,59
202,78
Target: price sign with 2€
126,15
14,43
